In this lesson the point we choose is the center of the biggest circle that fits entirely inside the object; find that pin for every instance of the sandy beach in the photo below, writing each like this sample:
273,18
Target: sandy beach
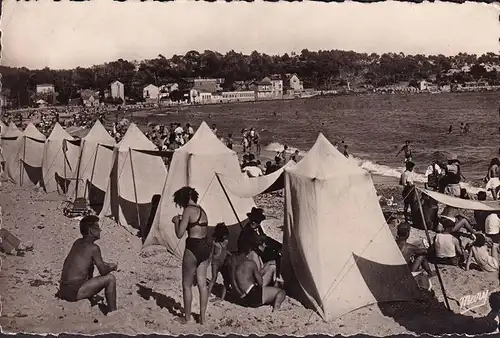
149,285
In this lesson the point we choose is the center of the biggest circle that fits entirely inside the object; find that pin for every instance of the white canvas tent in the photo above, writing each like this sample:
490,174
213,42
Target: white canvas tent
94,166
24,167
338,252
195,165
60,160
8,143
2,128
137,175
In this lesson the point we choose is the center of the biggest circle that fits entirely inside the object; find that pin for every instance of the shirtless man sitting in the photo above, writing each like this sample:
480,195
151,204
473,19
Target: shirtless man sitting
247,282
77,281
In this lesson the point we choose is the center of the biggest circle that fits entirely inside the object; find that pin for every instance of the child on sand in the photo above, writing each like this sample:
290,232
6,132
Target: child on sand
479,251
219,255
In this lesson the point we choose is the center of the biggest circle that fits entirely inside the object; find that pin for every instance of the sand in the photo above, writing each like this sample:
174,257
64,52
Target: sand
149,286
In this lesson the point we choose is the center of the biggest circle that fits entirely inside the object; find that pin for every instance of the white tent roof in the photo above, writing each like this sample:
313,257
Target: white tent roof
32,132
134,138
12,131
99,134
58,133
204,141
195,165
338,252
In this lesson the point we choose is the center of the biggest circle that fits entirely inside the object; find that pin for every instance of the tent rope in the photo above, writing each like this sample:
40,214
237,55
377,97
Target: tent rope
330,290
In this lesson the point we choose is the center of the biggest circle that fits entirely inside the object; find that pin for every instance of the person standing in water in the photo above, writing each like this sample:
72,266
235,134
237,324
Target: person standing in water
407,151
450,129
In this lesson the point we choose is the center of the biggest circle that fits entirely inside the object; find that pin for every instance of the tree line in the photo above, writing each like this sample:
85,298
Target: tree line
321,70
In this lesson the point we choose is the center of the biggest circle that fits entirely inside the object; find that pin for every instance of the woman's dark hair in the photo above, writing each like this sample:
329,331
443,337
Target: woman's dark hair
494,161
480,240
183,195
220,232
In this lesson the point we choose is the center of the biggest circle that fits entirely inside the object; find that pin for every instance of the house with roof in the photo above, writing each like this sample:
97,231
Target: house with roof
264,89
294,82
200,96
277,87
90,98
151,93
118,90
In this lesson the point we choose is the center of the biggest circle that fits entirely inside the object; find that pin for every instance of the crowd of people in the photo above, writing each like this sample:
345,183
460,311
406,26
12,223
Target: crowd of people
251,275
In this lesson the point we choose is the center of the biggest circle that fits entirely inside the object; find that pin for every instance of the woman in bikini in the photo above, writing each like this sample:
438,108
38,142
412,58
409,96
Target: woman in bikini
198,249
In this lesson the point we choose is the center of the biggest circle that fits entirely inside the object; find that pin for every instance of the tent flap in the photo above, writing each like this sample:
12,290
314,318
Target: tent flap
461,203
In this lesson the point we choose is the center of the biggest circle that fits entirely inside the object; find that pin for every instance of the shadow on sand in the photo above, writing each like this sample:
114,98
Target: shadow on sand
164,302
432,317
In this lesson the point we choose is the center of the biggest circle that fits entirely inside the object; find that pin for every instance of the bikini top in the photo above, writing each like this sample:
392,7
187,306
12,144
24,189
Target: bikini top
197,223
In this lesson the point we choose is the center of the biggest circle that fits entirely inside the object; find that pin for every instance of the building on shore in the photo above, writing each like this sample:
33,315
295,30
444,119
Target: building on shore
151,93
238,96
45,88
89,98
118,90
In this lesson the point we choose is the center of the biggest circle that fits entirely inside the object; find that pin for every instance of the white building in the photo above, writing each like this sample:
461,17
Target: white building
151,92
295,83
45,88
200,96
239,96
277,87
118,90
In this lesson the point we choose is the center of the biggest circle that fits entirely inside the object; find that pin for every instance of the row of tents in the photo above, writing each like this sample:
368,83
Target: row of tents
338,252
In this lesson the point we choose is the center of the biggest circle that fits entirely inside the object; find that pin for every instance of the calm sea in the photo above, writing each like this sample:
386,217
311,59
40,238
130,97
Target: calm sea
373,126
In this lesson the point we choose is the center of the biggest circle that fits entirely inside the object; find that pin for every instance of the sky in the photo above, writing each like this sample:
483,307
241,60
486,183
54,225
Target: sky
70,34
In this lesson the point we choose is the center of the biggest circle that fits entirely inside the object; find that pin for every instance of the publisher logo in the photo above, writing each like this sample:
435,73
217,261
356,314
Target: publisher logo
471,302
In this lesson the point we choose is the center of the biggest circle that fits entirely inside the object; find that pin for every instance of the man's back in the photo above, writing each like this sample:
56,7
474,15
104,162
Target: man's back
79,262
244,272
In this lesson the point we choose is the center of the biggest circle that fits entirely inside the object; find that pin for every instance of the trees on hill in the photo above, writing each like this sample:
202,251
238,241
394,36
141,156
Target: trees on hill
318,69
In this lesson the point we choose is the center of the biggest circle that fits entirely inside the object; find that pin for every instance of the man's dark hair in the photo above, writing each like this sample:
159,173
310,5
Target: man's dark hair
481,196
220,232
87,223
183,195
404,230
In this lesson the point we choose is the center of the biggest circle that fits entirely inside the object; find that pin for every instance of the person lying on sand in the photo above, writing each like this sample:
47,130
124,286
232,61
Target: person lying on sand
77,279
248,283
492,232
219,255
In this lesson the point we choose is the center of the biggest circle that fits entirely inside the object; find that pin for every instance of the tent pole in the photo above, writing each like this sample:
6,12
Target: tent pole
430,243
93,168
229,200
78,168
135,193
21,165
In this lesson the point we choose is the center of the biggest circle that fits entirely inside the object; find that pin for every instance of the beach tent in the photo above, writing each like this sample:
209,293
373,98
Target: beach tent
338,252
60,160
461,203
94,166
137,175
8,143
2,128
24,167
195,165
